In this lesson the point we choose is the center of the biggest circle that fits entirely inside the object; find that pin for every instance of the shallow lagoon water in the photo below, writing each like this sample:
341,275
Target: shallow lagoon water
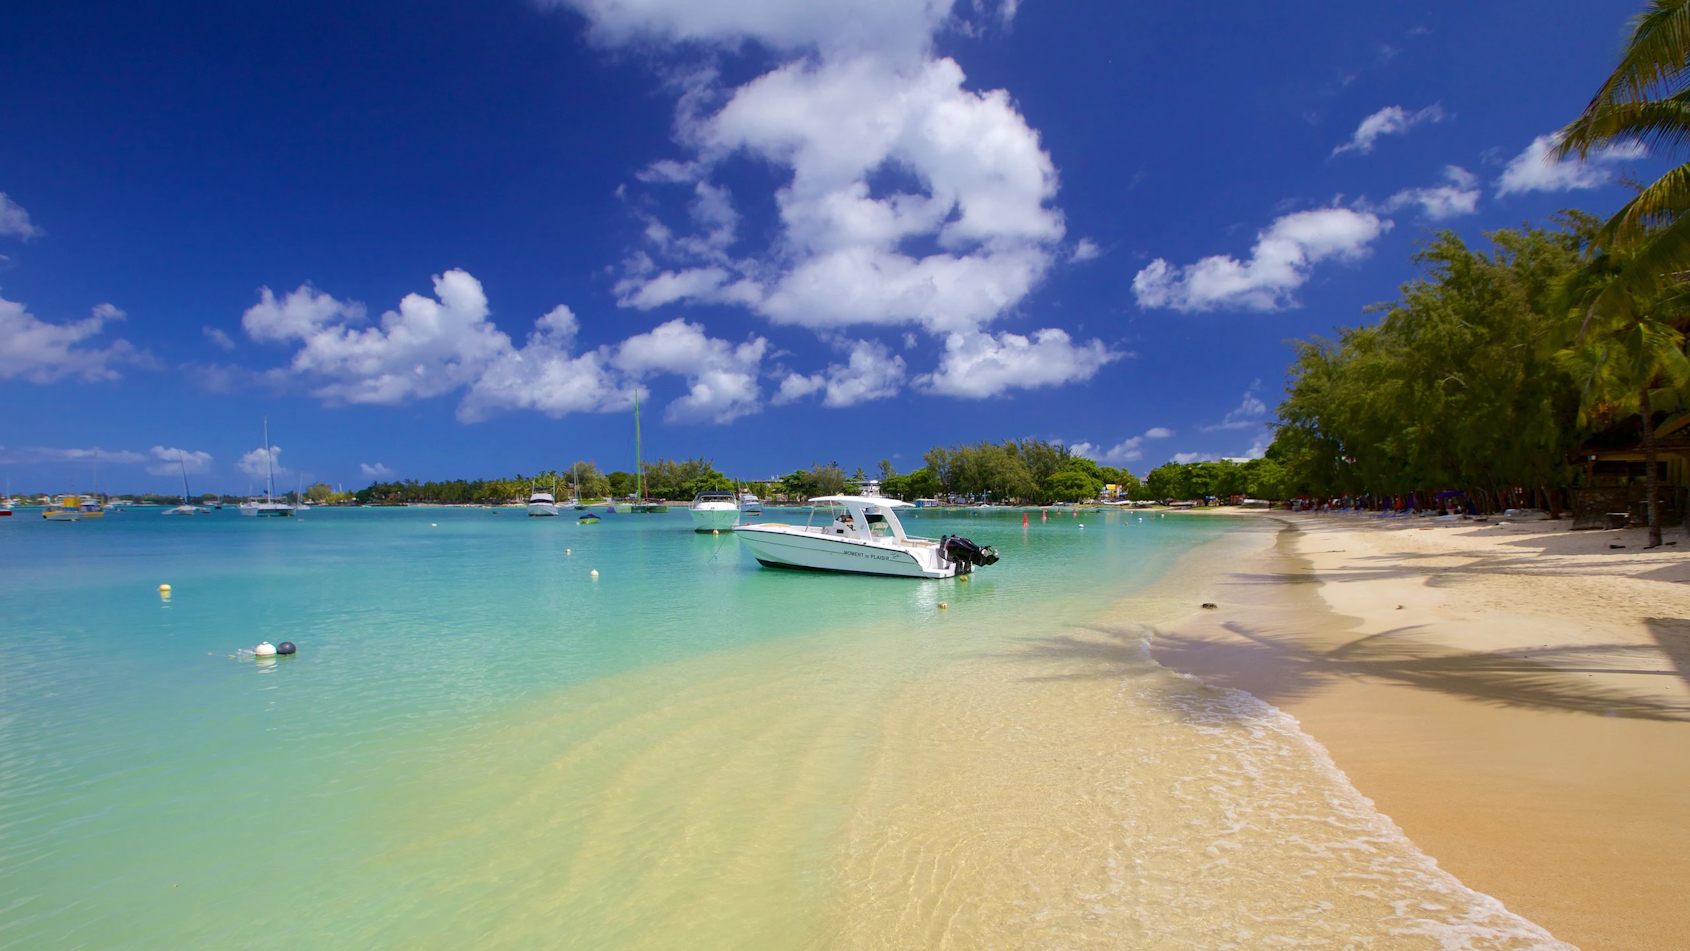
479,744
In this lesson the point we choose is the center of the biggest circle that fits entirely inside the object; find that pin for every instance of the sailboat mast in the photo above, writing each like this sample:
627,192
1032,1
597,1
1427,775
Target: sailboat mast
639,461
184,463
269,464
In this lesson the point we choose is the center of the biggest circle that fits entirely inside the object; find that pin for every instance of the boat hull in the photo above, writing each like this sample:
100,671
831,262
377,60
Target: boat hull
62,516
714,518
786,549
267,510
542,509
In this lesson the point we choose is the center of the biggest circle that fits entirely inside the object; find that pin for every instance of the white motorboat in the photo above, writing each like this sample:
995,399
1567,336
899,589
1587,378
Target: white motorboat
865,539
541,503
714,512
267,507
750,504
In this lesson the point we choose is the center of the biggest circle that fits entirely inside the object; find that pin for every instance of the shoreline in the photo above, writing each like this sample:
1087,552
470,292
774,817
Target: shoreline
1516,698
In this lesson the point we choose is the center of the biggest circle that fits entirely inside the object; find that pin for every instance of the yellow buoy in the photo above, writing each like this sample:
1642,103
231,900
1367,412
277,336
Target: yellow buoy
943,606
163,589
595,572
715,531
567,551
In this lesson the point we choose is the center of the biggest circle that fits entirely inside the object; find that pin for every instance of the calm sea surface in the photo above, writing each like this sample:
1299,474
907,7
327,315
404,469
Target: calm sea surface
479,744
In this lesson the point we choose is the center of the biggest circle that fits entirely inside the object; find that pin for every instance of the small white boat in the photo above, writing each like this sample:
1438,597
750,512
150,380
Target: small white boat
714,512
865,539
750,504
541,503
187,507
267,507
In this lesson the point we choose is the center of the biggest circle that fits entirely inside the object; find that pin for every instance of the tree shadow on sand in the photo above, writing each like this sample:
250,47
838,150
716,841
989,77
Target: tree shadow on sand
1279,668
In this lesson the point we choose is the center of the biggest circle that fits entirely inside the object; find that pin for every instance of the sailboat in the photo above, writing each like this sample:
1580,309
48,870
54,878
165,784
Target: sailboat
640,504
187,507
267,506
575,503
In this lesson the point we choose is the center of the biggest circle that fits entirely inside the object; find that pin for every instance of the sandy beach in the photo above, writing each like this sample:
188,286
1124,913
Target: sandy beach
1516,697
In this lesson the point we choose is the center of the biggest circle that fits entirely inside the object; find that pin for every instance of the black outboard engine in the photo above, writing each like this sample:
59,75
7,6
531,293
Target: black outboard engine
966,554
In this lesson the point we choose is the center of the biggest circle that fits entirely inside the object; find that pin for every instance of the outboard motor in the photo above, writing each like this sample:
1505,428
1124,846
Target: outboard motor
966,554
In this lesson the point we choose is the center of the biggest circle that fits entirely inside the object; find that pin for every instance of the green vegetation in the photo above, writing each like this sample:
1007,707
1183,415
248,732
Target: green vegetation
1456,387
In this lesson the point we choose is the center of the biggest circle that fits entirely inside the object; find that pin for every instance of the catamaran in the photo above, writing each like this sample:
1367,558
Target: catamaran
187,507
269,506
866,538
714,511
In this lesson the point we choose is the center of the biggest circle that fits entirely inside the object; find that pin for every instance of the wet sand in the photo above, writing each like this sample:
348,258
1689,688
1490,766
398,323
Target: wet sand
1515,697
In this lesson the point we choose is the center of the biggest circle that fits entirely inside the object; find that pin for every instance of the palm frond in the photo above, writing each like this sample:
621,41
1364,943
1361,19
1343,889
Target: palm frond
1663,202
1660,124
1654,63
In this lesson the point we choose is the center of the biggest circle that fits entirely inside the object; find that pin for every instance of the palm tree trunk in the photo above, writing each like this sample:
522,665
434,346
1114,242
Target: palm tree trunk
1649,485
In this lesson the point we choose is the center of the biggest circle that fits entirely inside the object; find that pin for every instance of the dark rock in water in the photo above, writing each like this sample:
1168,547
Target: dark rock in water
285,647
1209,605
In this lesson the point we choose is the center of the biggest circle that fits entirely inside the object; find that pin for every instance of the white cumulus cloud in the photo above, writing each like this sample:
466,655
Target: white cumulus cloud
546,376
1391,120
254,463
427,347
1158,432
376,471
14,220
1250,412
1536,169
1279,263
871,372
977,365
1458,196
43,352
172,461
721,377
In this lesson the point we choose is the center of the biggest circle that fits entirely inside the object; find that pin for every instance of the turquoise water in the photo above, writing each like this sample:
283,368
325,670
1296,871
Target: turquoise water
480,744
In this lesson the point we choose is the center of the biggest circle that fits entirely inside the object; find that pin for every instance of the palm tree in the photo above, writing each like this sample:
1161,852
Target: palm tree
1645,99
1628,359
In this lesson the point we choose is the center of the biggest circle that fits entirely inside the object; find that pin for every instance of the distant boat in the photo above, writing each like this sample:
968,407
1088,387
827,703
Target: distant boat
91,507
587,519
541,503
267,507
187,507
750,504
865,539
640,504
69,510
714,512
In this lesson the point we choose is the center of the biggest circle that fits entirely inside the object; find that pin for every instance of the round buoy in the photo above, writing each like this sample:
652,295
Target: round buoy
943,606
264,649
568,551
163,589
1082,524
433,524
595,572
286,647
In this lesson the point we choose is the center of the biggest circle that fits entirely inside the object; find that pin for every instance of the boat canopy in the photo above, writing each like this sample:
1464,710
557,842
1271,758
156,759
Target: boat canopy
865,500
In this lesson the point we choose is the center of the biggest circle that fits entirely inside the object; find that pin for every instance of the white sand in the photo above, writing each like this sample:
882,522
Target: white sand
1516,697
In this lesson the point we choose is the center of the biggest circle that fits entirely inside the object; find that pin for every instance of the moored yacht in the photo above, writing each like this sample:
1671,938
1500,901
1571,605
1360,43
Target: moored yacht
269,506
750,504
187,507
541,503
865,539
714,512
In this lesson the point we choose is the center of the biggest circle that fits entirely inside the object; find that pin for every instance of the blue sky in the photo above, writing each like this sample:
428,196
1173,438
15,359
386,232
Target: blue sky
441,240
